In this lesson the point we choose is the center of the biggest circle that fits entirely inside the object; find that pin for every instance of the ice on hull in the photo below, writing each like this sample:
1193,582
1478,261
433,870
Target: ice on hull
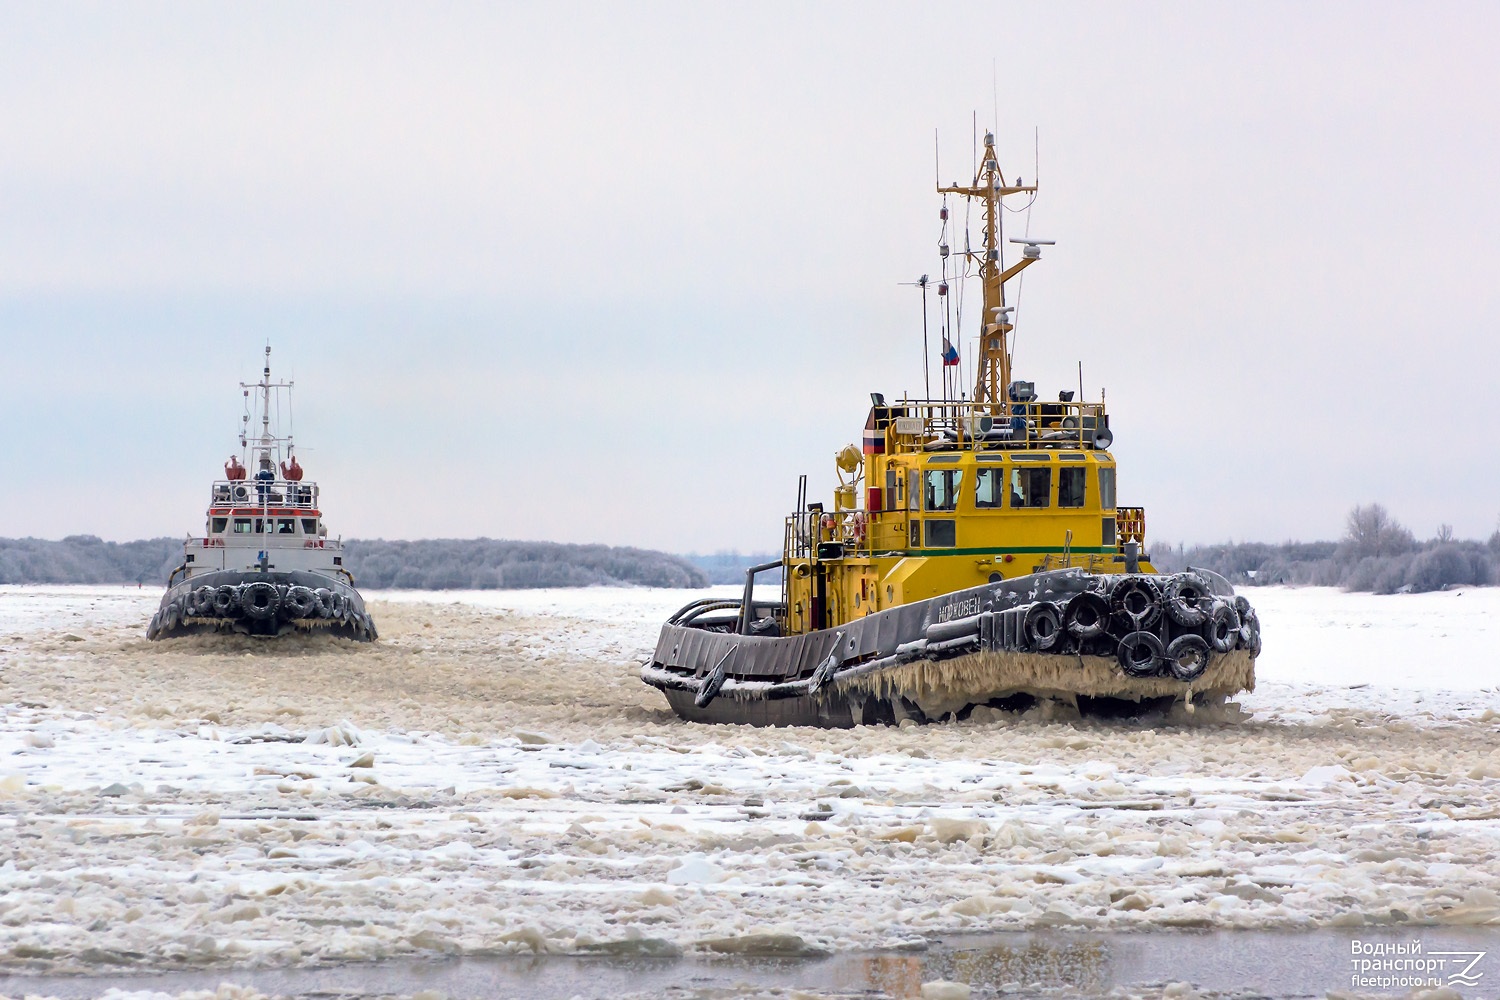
262,604
1064,635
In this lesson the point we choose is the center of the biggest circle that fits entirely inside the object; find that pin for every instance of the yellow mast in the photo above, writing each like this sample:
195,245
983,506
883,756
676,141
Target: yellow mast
993,376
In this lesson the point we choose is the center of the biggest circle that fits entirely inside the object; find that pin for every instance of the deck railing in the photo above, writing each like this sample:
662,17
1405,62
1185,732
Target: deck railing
263,493
935,425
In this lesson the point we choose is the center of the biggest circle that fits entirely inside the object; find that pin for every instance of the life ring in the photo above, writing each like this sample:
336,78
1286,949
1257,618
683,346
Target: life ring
1223,628
1137,602
260,600
857,525
1188,656
1187,600
1087,615
1043,626
826,525
300,602
1141,654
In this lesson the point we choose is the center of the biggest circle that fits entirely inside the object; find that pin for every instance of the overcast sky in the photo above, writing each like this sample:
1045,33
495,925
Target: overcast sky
620,273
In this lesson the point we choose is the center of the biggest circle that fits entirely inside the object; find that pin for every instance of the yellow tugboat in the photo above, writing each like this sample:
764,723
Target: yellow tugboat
974,554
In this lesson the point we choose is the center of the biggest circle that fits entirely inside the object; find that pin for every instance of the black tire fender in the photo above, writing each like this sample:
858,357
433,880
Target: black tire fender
1043,626
226,600
300,602
1188,656
1087,616
260,600
1141,654
1187,600
1136,601
1250,632
1222,630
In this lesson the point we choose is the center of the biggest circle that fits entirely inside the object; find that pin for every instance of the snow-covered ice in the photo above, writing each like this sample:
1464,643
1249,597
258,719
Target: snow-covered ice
492,777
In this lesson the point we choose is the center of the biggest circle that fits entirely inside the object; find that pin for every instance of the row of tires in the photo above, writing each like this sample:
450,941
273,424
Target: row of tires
1152,630
261,601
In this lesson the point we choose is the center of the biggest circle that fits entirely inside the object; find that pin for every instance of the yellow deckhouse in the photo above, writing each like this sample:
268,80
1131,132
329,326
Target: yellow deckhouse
953,493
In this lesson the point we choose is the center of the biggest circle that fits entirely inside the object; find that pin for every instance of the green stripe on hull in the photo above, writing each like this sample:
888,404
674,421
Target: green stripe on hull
1016,550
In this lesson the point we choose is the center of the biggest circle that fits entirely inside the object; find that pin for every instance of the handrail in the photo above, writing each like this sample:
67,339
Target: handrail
747,604
263,493
928,425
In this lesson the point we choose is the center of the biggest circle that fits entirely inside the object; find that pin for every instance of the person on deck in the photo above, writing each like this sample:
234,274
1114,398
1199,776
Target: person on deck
264,478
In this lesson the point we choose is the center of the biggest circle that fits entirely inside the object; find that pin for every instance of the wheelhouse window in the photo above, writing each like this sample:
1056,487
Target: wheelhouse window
217,525
940,533
1030,487
942,489
286,526
1107,487
1070,486
242,526
309,526
989,487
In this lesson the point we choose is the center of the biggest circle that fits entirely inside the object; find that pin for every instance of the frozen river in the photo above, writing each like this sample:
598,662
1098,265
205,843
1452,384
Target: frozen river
492,779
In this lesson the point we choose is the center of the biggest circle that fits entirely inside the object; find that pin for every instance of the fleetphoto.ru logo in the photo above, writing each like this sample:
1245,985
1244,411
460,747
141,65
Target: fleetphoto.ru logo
1382,965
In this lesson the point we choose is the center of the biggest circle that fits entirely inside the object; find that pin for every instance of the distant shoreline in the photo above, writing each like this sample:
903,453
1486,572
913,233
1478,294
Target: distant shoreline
377,564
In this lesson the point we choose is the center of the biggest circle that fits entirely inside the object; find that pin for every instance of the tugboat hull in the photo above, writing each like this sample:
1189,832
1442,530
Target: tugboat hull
262,604
1065,635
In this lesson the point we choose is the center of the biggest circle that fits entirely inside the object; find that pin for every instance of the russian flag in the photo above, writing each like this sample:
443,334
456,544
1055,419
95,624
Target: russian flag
950,354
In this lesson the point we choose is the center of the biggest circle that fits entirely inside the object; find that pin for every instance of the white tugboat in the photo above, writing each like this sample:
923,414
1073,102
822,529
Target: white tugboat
265,565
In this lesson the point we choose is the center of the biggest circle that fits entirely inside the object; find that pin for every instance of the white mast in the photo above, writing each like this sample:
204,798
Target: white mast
268,446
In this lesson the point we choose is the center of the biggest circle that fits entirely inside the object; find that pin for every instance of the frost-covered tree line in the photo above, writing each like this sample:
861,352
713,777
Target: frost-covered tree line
88,559
1376,554
436,564
729,567
487,564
